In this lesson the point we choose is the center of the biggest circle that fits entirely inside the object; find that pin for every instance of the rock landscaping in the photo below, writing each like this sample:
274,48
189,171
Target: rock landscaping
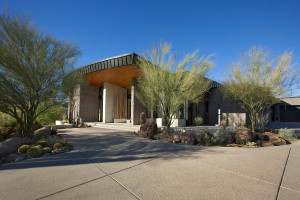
45,141
230,137
148,130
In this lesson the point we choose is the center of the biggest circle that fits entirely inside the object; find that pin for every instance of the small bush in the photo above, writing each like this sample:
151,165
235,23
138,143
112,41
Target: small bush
57,146
11,123
63,143
42,143
165,131
34,152
5,132
224,135
198,121
223,123
23,149
240,141
46,150
52,114
209,139
288,134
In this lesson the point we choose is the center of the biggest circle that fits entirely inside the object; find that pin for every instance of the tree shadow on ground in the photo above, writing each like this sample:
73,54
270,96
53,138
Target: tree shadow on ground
108,146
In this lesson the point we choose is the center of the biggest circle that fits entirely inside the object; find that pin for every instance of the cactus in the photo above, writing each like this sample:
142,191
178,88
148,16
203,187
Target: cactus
63,143
42,143
46,150
57,146
39,146
34,152
23,149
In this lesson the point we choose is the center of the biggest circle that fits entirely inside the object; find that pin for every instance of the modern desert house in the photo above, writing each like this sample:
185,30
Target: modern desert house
110,97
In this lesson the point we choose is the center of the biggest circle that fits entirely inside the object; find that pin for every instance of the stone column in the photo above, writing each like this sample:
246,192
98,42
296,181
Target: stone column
136,106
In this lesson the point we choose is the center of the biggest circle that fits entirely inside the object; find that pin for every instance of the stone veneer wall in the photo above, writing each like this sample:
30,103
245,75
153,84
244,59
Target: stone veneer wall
89,103
136,106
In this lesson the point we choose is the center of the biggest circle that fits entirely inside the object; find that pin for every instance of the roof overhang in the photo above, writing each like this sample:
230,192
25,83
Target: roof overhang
117,70
120,76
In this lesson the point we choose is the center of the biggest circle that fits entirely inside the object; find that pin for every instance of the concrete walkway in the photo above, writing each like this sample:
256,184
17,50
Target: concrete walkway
108,164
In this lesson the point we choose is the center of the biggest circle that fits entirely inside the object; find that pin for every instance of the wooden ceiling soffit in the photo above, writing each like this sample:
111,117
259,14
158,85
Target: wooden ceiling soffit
120,76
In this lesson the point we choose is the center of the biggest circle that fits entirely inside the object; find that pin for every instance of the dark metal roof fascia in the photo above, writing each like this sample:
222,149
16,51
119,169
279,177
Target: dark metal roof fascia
117,61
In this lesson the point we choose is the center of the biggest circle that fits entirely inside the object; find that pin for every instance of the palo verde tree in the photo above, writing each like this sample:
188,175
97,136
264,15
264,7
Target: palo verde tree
164,85
32,67
257,82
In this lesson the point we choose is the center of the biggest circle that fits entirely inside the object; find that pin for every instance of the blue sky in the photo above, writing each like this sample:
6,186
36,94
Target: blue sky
225,28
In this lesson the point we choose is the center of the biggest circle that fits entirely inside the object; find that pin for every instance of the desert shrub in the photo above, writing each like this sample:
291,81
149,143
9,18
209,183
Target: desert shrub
23,148
209,138
42,143
57,146
5,132
166,131
49,117
240,141
224,135
142,118
46,150
288,134
34,152
262,121
223,123
63,143
7,120
198,121
10,123
51,139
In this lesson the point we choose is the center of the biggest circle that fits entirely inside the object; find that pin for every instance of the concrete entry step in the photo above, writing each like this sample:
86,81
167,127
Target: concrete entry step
115,126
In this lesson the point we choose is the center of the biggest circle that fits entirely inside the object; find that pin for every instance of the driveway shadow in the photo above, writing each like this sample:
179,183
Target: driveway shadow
103,147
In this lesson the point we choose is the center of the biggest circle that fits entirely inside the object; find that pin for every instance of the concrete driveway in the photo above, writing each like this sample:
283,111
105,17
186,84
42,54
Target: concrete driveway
109,164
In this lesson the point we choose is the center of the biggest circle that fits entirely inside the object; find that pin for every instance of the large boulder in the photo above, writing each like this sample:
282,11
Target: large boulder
199,136
42,132
184,138
244,134
146,134
11,145
275,139
148,130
